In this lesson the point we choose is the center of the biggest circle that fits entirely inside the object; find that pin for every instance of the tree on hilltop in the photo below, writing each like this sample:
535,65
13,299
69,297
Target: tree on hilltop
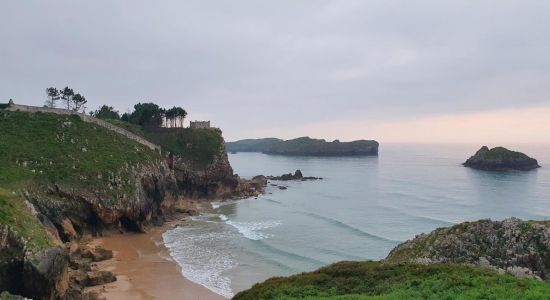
106,112
147,114
67,95
78,102
53,96
175,116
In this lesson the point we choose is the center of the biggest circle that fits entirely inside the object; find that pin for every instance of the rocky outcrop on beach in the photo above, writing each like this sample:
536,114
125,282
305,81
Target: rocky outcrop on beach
501,159
296,176
521,248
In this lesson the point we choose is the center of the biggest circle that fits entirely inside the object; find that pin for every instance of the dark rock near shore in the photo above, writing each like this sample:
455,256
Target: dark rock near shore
296,176
521,248
46,274
501,159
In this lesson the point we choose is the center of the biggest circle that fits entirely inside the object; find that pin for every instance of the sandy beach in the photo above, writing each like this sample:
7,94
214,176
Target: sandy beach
145,270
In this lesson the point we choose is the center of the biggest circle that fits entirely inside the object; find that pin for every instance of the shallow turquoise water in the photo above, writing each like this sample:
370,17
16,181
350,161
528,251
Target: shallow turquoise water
362,209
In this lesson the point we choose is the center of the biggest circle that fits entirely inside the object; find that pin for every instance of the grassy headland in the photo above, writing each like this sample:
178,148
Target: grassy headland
376,280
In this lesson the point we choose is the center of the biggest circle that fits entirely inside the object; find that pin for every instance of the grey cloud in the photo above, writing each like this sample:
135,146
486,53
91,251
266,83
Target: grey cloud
273,63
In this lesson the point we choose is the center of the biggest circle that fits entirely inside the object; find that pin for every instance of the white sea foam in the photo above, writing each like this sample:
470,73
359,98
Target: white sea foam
223,217
202,257
252,230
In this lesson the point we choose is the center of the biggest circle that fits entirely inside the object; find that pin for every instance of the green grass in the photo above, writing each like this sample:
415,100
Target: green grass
501,152
375,280
198,147
62,149
133,128
39,150
14,213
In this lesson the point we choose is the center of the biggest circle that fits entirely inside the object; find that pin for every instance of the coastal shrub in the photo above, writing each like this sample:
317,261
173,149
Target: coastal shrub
197,146
376,280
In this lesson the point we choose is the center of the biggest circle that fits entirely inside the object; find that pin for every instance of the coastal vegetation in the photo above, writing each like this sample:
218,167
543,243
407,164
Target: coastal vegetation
378,280
305,146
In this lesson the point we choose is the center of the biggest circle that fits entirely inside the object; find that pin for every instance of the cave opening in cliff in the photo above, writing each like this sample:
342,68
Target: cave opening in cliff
129,225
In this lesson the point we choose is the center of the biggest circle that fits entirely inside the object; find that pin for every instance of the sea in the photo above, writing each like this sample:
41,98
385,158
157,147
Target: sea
363,208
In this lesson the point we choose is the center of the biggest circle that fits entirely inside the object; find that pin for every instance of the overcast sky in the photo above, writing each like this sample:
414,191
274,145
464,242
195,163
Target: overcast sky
330,69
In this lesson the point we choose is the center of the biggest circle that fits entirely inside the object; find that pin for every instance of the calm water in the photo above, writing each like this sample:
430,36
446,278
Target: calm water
362,209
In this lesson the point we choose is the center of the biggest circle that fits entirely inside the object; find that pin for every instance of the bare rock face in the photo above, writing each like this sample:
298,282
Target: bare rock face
216,180
46,274
521,248
501,159
12,254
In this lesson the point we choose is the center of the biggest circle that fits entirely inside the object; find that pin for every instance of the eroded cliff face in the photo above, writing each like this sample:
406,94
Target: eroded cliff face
215,180
77,210
70,212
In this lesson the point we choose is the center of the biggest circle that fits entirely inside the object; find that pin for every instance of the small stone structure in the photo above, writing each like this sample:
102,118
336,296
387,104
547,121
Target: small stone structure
89,119
199,124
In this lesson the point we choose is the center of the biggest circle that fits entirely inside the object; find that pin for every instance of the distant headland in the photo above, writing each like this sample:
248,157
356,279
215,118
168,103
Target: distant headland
305,146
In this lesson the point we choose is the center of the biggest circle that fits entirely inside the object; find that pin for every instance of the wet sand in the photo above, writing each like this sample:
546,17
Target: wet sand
145,270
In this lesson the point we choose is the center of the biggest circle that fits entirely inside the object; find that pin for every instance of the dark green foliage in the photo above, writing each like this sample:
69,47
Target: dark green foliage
147,115
376,280
199,147
78,102
67,95
53,96
175,116
106,112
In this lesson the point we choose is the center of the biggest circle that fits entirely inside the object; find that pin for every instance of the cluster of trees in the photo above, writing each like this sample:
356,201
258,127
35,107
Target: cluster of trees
71,100
146,115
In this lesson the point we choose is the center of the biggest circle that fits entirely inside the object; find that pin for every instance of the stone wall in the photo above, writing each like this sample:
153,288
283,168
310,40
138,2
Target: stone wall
85,118
199,124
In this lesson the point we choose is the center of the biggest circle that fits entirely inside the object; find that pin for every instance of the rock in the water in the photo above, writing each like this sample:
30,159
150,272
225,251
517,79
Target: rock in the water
501,159
521,248
296,176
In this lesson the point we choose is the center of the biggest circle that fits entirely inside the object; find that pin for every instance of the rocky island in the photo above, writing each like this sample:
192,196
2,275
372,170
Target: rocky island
501,159
305,146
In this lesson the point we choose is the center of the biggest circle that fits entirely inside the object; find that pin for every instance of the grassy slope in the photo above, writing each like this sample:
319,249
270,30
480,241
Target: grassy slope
44,149
374,280
197,146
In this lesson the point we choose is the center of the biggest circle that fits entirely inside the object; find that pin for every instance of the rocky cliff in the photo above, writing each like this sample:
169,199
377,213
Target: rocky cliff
63,179
512,245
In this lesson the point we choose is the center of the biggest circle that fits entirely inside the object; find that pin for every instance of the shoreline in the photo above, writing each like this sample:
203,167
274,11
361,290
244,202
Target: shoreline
145,270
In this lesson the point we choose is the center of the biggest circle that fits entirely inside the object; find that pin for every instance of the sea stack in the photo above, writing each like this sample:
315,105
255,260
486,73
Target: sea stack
501,159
